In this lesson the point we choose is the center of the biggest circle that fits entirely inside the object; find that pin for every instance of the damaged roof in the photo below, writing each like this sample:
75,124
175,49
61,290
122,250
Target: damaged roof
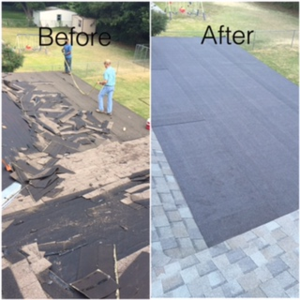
79,228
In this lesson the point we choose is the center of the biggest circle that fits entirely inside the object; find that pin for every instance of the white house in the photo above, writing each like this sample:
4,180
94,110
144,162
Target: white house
53,17
83,24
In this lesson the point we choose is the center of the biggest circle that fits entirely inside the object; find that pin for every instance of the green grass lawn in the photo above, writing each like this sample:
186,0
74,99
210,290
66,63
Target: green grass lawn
133,81
272,48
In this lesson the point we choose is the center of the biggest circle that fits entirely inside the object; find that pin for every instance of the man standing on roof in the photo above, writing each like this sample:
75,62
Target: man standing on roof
67,51
108,89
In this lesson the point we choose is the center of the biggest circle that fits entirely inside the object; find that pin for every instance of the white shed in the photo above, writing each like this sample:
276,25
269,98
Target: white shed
83,24
53,17
155,8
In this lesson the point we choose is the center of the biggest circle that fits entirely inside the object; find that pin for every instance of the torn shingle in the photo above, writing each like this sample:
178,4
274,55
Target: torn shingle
38,193
96,285
44,182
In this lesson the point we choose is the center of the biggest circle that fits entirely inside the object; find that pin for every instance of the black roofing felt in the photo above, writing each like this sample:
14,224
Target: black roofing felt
96,285
15,133
132,286
73,231
56,288
31,100
228,126
58,82
11,289
69,228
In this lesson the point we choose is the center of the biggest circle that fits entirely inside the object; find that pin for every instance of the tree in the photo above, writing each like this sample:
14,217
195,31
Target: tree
126,22
158,22
29,7
10,59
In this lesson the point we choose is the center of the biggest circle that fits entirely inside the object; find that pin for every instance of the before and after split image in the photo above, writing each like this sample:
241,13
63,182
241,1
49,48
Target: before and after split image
150,150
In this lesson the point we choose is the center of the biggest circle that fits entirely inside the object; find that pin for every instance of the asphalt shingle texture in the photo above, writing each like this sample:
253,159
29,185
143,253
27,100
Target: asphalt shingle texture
228,126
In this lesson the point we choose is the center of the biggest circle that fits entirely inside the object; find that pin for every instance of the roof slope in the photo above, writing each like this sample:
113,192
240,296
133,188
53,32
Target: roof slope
228,125
85,199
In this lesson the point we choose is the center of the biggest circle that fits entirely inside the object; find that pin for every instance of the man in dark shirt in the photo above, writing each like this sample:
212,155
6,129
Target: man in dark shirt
67,51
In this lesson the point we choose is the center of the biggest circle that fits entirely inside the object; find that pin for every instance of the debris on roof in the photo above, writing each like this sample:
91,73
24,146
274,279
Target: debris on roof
62,227
10,193
96,285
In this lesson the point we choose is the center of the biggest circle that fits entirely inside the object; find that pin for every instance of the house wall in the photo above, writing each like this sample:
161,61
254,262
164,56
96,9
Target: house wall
49,18
77,23
82,24
36,17
89,26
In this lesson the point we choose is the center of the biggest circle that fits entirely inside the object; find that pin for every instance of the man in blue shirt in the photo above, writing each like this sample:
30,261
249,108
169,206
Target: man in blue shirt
67,51
108,89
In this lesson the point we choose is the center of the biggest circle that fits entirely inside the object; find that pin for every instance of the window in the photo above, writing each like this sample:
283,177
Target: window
79,23
58,18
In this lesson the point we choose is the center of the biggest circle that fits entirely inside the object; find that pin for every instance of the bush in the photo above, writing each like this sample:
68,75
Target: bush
289,5
10,59
158,22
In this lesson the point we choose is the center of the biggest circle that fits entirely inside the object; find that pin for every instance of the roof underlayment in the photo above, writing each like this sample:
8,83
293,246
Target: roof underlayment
228,125
81,221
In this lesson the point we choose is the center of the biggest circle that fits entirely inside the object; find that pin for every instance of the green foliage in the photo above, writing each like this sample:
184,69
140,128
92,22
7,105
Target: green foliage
66,5
13,18
10,7
10,59
126,22
13,15
29,7
289,5
158,23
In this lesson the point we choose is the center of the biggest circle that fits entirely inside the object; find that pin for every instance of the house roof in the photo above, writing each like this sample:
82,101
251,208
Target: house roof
84,17
84,204
52,8
228,125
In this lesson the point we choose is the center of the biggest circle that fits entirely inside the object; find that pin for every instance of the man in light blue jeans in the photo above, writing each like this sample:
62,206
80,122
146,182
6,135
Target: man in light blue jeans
108,83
